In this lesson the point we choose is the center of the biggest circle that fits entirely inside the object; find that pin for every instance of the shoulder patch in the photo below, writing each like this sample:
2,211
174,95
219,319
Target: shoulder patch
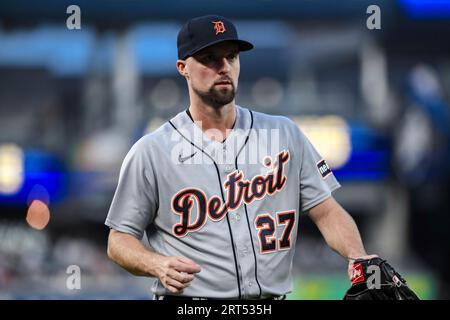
323,168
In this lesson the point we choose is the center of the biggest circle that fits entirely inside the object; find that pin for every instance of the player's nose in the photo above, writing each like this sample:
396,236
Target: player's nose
224,66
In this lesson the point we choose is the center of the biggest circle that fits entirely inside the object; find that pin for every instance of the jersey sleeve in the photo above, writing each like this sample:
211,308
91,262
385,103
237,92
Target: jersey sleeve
134,203
317,181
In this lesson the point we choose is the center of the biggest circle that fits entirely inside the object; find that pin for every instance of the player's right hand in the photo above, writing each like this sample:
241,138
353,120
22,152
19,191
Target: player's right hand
176,273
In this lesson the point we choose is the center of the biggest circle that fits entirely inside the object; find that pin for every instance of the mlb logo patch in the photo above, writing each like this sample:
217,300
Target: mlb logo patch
323,168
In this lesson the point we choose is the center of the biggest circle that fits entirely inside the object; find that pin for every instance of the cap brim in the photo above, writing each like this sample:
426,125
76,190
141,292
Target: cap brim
242,44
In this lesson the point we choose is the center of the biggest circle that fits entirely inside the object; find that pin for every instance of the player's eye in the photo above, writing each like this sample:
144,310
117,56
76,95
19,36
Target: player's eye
232,56
207,58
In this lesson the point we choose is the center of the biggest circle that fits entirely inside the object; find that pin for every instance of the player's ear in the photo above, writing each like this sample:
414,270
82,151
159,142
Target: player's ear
181,67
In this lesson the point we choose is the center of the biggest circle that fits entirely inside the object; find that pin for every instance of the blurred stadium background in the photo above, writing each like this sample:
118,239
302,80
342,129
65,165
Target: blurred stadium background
72,102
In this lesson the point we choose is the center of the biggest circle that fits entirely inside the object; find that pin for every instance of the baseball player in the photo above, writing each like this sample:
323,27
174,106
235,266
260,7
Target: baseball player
218,189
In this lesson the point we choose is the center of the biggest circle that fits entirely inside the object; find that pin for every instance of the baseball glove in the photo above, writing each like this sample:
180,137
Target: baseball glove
391,285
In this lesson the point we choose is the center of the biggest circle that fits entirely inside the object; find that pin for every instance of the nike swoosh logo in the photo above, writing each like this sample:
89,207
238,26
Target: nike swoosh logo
183,159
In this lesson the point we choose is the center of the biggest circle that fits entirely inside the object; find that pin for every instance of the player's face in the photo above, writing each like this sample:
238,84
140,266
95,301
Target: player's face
214,72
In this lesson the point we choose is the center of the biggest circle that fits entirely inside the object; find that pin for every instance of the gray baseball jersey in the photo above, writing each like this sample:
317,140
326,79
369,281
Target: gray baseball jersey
232,207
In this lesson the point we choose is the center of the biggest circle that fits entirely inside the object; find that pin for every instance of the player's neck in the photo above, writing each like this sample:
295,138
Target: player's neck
208,118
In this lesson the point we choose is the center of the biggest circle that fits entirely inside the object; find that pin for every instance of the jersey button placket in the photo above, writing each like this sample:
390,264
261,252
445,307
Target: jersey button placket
244,250
235,216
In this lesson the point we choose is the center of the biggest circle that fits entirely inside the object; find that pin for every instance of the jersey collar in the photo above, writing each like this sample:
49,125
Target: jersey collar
192,132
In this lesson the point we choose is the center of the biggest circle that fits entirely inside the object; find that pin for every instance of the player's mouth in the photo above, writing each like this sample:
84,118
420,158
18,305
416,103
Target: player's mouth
223,83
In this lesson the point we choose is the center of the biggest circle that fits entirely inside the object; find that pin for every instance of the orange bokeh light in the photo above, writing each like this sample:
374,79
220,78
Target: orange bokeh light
38,215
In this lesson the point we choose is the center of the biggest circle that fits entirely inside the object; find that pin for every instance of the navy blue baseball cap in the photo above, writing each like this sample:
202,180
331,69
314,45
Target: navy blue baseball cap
201,32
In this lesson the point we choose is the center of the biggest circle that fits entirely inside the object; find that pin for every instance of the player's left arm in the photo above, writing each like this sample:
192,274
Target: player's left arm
339,230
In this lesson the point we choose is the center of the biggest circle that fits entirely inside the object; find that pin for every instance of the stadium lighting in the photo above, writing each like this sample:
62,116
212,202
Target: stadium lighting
11,169
330,135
